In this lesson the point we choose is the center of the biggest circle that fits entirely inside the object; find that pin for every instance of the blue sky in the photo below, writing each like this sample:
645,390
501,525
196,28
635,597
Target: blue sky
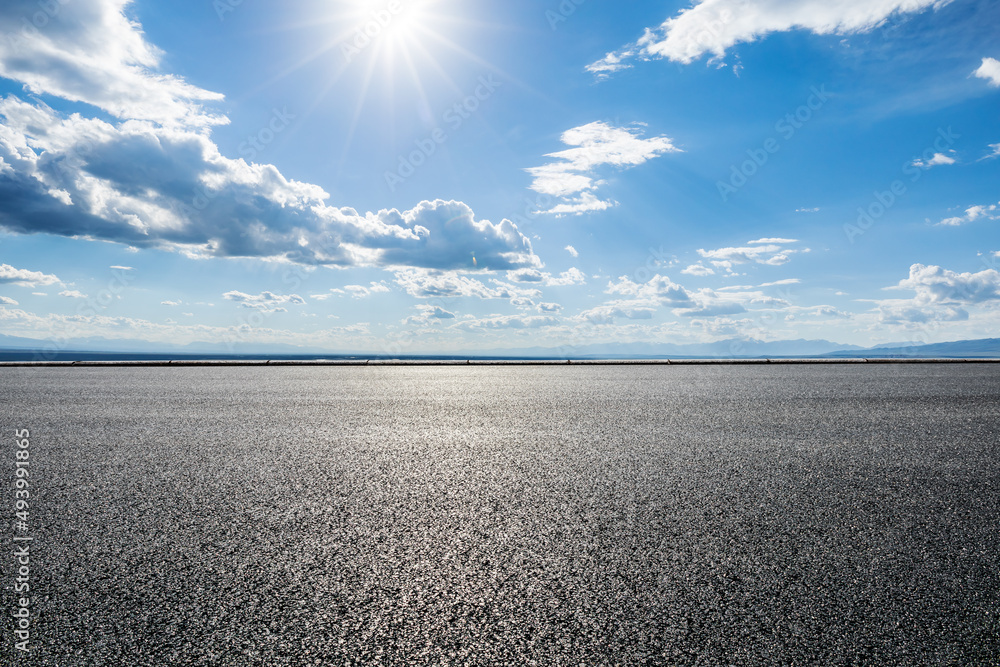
437,176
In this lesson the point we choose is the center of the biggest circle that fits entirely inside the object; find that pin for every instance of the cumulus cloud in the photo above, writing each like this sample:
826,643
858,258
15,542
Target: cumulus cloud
989,70
940,295
661,291
657,290
427,314
571,250
25,277
171,303
614,310
7,301
147,174
936,160
428,284
572,176
973,213
936,285
73,294
77,177
90,51
265,301
714,26
698,269
573,276
527,276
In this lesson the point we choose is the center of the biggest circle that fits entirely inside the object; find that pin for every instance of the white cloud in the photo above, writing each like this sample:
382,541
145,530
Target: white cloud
268,302
571,250
698,269
171,303
762,251
773,240
362,291
714,26
121,268
587,202
904,312
7,301
480,325
661,291
940,295
73,176
90,51
548,307
996,152
989,70
715,303
937,160
24,277
972,214
14,321
713,309
640,302
527,276
935,285
614,310
807,210
572,175
73,294
573,276
786,281
816,311
429,314
658,289
427,284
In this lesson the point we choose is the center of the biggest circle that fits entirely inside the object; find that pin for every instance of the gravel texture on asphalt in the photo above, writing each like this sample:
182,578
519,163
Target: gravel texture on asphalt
614,515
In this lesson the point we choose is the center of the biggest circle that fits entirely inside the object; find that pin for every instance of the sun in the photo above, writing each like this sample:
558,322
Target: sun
388,31
384,26
386,57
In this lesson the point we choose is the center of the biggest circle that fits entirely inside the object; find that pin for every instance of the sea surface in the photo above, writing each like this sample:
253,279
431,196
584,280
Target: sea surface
613,515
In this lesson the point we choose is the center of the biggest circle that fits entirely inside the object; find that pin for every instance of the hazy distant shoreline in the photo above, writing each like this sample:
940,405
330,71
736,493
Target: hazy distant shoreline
180,363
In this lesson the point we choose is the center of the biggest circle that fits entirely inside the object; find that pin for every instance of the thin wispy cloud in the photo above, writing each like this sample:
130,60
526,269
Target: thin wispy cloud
973,213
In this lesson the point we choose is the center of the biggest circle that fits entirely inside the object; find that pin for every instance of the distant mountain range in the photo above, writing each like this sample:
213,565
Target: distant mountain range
15,348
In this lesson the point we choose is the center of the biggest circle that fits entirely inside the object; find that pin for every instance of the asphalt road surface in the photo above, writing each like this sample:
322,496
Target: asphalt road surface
618,515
